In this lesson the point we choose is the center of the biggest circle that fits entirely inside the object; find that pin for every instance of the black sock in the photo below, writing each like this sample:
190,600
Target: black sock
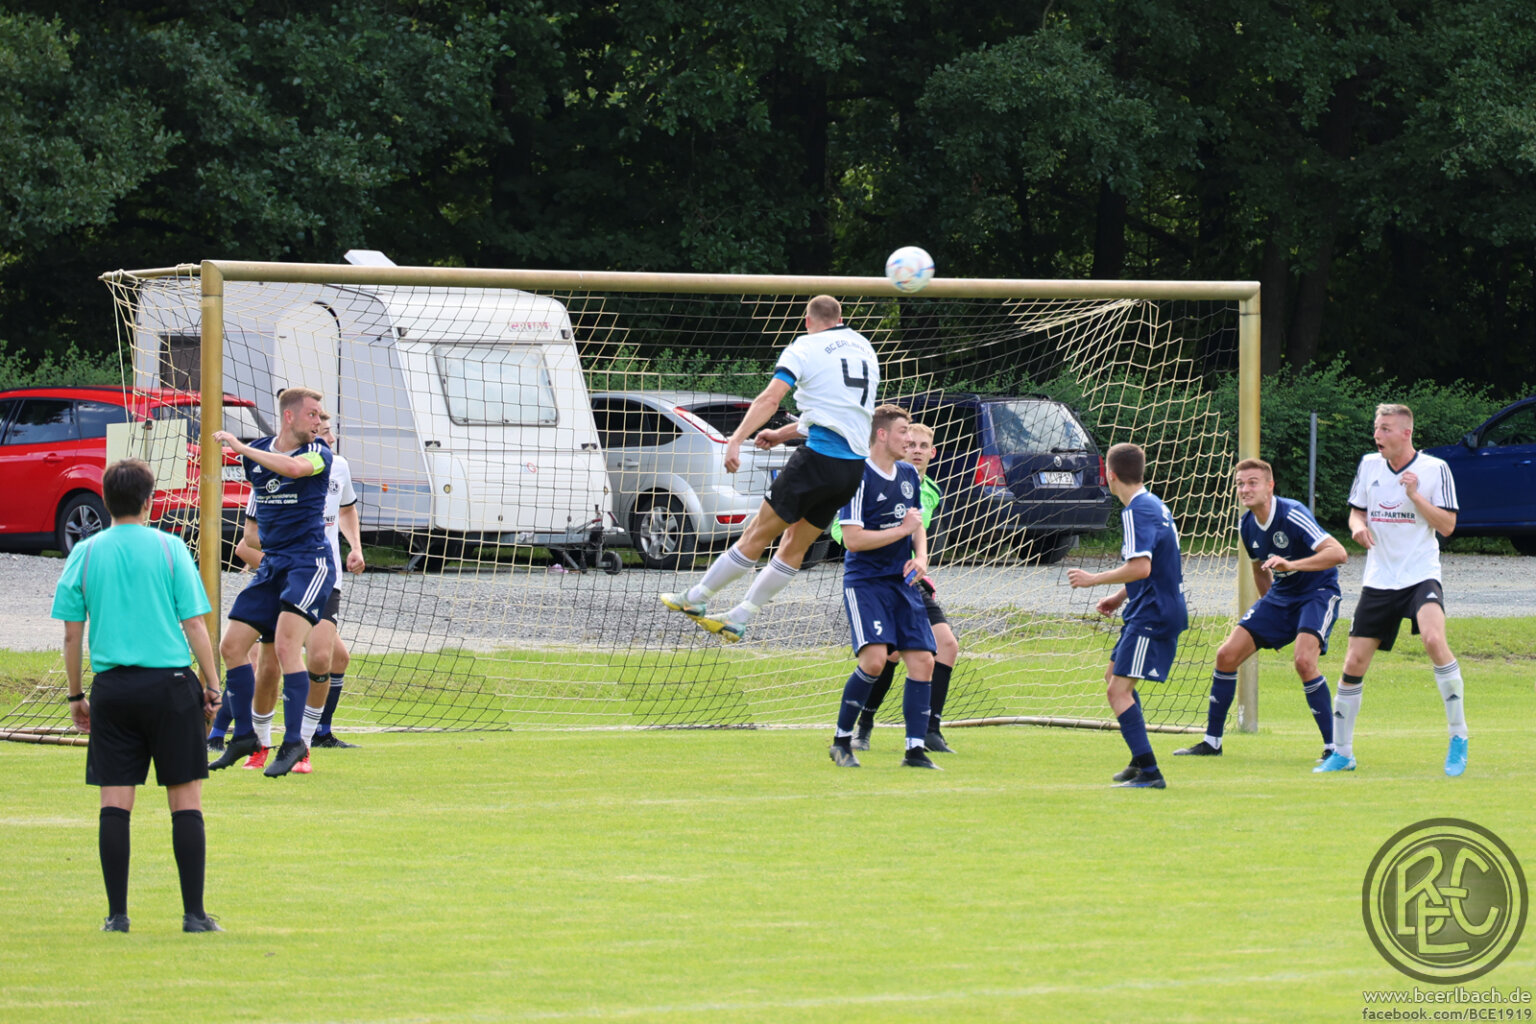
190,845
941,673
112,839
876,696
1146,762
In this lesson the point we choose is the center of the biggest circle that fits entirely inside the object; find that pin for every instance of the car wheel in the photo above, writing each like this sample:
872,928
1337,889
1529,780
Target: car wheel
663,532
1049,548
80,517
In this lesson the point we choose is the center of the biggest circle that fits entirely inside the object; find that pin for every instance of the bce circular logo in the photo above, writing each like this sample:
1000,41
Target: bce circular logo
1444,901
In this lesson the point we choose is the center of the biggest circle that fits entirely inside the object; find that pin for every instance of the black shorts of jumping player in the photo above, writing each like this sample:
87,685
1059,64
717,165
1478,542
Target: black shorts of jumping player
813,486
1379,614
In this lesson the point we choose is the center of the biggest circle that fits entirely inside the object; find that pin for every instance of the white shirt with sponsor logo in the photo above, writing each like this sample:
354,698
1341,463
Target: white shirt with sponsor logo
1405,551
337,497
837,382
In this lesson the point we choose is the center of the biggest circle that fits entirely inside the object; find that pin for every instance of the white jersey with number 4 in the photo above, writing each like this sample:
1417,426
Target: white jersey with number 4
337,497
837,380
1405,551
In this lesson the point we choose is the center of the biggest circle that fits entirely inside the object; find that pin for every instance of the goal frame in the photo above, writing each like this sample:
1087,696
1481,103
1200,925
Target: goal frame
213,274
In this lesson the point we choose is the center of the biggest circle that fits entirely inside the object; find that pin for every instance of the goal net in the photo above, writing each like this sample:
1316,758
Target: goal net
538,456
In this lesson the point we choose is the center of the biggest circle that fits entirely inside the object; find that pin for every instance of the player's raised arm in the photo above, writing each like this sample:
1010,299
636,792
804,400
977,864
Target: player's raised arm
759,412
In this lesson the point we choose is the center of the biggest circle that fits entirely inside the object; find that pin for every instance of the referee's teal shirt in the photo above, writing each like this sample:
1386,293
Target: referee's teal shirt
133,585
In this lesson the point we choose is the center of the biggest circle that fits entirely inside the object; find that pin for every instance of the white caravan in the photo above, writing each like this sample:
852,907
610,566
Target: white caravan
462,411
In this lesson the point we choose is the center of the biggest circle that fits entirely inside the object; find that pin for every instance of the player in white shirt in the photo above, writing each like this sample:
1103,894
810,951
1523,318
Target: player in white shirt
836,378
326,657
1400,500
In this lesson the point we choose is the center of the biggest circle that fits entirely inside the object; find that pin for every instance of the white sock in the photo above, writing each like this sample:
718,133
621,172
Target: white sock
1214,742
731,566
765,586
1448,678
263,726
311,723
1346,708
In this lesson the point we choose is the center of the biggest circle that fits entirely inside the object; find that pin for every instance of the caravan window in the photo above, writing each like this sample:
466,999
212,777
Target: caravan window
499,385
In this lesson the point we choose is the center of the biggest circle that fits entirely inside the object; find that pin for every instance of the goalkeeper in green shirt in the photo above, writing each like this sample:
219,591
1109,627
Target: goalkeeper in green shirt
920,452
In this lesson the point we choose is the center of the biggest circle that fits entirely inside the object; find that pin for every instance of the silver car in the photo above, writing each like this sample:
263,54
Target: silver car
665,452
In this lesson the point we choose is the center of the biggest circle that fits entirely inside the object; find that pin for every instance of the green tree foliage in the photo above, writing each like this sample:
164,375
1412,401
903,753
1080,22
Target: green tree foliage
1373,163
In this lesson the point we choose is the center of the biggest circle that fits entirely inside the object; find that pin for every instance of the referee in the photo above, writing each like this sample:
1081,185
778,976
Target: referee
140,593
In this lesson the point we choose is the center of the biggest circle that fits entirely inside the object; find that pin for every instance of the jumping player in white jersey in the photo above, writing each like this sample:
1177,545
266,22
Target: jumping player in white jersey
1400,500
836,378
1295,566
326,655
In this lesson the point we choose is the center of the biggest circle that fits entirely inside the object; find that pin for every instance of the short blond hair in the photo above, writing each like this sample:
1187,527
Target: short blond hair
824,309
292,397
1258,464
1395,409
922,430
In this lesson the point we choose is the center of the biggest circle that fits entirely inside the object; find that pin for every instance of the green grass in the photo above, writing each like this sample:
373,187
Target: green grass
736,876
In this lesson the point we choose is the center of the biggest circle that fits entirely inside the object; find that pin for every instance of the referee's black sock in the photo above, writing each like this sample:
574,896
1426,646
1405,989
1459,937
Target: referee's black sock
191,848
112,840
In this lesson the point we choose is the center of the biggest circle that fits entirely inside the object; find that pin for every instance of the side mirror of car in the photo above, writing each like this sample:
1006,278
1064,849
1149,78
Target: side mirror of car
1470,439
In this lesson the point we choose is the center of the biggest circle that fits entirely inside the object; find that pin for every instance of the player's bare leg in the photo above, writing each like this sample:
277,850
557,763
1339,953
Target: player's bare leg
1431,622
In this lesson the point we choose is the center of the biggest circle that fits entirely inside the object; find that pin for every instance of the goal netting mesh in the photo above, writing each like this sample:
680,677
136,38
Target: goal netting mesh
535,468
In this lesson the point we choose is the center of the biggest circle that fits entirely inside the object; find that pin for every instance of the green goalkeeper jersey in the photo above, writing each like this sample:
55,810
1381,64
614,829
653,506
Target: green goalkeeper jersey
929,496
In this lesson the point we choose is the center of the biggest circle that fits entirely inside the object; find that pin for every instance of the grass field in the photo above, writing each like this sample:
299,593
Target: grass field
737,876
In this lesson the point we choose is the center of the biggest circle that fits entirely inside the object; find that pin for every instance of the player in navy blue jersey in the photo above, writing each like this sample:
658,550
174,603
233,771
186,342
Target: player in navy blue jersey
289,476
1296,568
1153,596
887,555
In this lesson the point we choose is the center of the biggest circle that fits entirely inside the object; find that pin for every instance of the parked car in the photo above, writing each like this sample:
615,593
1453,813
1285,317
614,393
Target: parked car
1495,471
53,448
1019,466
665,454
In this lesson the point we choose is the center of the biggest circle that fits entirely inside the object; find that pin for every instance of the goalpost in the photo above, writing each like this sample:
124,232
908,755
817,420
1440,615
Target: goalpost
513,433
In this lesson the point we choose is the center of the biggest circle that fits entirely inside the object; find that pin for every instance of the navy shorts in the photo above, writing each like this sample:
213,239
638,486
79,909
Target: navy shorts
1138,656
1379,614
302,585
139,715
813,486
1275,622
889,613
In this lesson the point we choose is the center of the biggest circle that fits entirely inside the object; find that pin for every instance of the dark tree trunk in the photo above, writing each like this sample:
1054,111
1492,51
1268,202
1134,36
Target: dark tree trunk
1274,287
1109,236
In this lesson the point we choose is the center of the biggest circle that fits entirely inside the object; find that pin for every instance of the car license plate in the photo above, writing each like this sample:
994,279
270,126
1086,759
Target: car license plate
235,474
1058,478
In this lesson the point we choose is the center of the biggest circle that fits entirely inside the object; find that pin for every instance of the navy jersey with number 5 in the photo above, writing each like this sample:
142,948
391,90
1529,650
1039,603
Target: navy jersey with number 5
291,510
881,503
1290,533
1154,606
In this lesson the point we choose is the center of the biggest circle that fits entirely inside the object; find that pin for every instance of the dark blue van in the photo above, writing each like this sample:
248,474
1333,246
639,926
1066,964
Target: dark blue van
1016,468
1494,468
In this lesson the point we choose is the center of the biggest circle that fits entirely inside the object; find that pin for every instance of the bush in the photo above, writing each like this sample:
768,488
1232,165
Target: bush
72,368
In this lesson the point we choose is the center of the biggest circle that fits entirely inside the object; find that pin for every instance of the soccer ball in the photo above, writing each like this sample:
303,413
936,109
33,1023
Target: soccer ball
909,268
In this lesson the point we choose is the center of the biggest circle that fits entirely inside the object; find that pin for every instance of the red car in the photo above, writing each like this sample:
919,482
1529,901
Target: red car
53,449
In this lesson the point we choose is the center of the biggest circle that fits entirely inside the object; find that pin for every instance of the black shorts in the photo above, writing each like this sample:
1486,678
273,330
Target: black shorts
328,614
813,486
1379,614
140,715
935,613
332,606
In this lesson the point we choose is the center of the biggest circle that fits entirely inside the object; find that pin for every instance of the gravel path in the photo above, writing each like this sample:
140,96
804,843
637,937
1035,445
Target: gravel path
508,608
